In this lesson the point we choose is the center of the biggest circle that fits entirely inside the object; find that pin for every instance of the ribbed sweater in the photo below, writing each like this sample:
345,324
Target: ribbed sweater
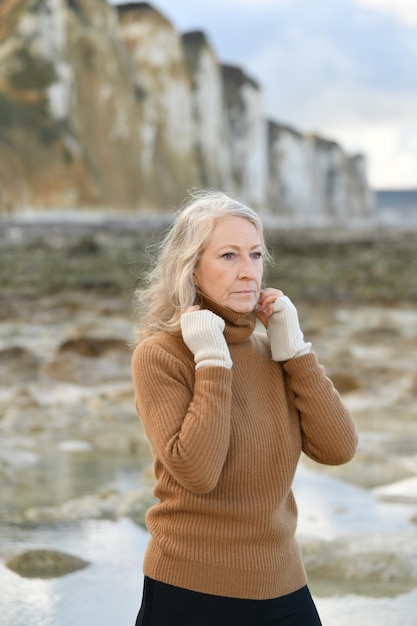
226,444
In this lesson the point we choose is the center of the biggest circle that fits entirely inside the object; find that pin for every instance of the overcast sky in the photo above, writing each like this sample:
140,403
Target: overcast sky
346,69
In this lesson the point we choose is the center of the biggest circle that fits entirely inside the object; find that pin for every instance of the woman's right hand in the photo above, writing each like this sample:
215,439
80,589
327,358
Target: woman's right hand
202,331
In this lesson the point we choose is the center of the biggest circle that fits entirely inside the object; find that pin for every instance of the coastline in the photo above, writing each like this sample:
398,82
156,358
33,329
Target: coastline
76,466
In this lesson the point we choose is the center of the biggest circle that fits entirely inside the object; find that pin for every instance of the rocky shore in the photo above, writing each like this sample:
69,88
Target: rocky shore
68,425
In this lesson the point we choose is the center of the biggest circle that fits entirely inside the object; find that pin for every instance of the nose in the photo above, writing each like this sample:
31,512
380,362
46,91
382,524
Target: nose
246,269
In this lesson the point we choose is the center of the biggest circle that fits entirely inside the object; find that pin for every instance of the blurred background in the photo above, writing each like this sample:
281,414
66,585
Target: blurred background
108,114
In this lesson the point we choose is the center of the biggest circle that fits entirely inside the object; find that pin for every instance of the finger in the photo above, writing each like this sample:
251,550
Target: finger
276,293
268,296
271,294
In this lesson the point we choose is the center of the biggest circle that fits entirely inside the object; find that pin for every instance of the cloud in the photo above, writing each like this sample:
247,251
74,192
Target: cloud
404,10
350,75
379,124
344,68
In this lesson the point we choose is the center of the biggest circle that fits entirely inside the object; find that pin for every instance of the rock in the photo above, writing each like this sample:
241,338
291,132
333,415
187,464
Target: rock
404,491
135,506
74,445
92,346
14,461
97,506
45,564
17,365
368,469
359,562
22,413
106,504
90,361
344,382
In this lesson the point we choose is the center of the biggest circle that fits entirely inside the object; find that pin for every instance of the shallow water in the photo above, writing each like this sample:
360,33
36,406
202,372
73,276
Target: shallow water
68,428
58,476
108,591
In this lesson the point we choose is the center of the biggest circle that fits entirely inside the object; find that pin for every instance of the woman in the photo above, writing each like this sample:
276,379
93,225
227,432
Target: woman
228,411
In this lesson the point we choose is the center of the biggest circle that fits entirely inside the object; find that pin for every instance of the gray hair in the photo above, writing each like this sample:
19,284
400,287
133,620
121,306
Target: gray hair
168,288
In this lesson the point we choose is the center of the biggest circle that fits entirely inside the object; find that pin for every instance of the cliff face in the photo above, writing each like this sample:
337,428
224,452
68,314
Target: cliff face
110,107
163,85
314,180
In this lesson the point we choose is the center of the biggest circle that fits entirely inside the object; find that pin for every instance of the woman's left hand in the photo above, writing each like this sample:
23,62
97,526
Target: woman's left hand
266,304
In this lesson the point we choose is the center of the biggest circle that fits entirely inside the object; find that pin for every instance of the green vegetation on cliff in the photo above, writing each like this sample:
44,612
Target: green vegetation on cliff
369,268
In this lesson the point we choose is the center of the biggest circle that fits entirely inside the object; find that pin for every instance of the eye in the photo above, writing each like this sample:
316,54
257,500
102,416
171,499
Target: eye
228,255
256,255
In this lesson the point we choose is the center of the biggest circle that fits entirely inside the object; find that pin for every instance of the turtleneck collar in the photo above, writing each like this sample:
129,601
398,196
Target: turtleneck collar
239,326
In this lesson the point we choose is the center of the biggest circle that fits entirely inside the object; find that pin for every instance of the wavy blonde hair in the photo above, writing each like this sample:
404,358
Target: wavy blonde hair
168,288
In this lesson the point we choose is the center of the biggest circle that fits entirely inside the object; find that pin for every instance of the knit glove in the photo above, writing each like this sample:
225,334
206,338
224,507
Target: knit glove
202,332
284,332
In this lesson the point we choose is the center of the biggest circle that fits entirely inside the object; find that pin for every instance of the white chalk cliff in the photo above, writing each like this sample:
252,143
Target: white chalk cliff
111,107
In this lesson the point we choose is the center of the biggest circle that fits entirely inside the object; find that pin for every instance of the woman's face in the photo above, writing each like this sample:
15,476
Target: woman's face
230,268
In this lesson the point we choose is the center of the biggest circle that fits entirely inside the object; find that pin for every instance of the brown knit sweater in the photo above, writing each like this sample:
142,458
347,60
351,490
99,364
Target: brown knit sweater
226,445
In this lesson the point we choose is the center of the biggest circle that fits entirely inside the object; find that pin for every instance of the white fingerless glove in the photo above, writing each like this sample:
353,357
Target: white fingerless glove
202,332
284,332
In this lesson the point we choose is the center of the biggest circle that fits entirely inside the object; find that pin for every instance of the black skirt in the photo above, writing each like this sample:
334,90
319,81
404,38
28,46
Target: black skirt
167,605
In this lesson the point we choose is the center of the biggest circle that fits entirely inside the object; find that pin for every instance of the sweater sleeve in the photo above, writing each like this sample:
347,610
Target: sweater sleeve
188,429
328,430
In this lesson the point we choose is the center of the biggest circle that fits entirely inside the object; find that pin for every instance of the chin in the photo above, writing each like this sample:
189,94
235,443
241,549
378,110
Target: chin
243,307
